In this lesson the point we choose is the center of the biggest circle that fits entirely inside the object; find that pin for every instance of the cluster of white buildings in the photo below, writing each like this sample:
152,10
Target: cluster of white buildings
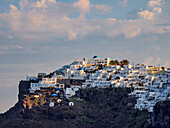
151,84
45,82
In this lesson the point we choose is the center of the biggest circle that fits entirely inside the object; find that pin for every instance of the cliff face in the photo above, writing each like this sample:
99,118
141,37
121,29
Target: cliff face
107,107
23,89
160,118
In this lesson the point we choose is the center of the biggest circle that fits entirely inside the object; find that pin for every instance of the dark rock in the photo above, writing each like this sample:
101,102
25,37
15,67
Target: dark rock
98,108
23,89
160,117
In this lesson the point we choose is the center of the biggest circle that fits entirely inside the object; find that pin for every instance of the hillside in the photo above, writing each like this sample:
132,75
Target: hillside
109,107
93,107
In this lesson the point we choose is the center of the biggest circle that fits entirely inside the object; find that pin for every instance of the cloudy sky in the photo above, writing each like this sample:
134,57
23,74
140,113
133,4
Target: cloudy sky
42,35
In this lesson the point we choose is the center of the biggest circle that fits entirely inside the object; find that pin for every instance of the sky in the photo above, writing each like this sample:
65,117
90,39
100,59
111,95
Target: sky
43,35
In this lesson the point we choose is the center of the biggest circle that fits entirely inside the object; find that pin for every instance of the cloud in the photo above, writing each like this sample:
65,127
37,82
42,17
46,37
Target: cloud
6,47
84,6
129,28
41,3
10,37
153,9
156,47
52,1
72,35
123,3
157,10
13,7
157,61
167,28
149,61
153,3
47,19
104,8
166,64
146,14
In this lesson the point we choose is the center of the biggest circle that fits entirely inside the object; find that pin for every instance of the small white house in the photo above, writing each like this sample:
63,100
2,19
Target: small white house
51,104
71,104
70,92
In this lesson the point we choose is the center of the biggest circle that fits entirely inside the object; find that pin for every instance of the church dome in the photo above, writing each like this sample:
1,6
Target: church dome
95,57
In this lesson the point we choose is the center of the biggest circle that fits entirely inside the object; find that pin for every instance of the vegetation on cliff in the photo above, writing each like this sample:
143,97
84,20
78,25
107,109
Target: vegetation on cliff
109,107
160,117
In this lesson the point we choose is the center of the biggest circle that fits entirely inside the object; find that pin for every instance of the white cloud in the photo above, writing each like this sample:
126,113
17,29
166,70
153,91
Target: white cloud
167,64
167,28
13,7
123,3
52,1
149,61
72,35
104,8
51,18
129,28
6,47
157,10
153,9
41,3
157,61
84,6
10,37
156,47
153,3
146,14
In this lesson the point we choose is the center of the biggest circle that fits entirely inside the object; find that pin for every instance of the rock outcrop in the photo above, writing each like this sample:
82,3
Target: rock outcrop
160,118
109,107
93,107
23,89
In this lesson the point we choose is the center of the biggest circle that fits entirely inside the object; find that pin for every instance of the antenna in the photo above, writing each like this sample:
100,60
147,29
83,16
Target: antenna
26,76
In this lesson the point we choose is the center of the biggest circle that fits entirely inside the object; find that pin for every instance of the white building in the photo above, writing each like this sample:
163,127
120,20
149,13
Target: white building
96,60
69,92
168,75
51,104
28,78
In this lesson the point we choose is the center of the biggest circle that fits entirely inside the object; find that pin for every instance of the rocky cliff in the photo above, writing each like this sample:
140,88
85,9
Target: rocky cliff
109,107
93,107
160,118
23,89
